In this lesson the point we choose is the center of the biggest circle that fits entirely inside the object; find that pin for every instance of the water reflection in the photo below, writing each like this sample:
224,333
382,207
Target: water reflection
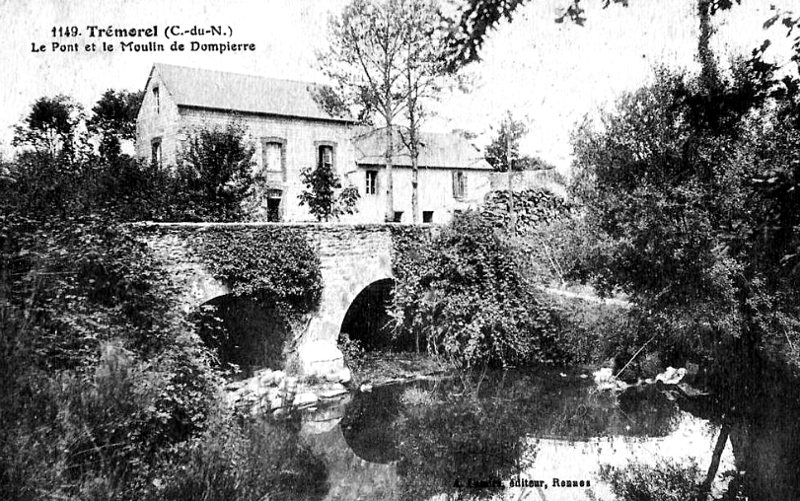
469,437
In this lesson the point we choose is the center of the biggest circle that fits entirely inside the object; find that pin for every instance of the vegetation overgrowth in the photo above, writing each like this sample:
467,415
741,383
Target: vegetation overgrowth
106,390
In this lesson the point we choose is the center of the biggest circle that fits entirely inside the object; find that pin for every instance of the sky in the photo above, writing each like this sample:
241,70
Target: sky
549,75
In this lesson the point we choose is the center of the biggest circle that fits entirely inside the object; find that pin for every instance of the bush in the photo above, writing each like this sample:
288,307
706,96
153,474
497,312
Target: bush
591,333
464,293
352,350
243,460
77,433
664,482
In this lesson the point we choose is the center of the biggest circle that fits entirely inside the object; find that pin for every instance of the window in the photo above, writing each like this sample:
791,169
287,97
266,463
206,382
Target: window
398,216
273,159
459,184
325,156
157,99
155,151
427,216
372,182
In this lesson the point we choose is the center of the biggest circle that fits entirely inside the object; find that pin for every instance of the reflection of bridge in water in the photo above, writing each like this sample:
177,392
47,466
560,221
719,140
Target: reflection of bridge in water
357,441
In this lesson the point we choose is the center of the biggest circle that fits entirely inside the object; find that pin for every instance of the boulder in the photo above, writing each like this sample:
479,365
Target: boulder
305,399
671,376
321,358
332,392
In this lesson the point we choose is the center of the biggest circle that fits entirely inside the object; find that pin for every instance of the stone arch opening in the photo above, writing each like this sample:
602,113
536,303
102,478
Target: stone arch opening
245,333
367,319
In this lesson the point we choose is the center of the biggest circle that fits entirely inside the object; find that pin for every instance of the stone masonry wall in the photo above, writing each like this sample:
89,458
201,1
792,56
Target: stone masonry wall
352,256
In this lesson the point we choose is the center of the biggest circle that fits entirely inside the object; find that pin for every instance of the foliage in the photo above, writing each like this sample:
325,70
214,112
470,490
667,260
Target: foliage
101,373
504,148
592,333
424,73
473,22
216,167
244,460
352,350
691,189
51,129
665,189
276,265
98,368
664,482
320,193
464,294
365,56
114,119
58,174
386,58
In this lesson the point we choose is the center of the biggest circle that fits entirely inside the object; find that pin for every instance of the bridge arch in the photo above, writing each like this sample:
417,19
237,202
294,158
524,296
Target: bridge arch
366,319
245,332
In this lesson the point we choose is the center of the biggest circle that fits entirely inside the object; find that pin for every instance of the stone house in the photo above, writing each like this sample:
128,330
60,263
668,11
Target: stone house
290,132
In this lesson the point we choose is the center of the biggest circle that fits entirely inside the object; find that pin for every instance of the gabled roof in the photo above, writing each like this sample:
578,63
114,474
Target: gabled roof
451,151
221,90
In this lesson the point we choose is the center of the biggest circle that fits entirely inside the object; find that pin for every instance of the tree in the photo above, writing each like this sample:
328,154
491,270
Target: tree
365,61
503,150
320,193
387,58
114,119
216,167
424,69
694,182
470,26
503,155
51,128
474,21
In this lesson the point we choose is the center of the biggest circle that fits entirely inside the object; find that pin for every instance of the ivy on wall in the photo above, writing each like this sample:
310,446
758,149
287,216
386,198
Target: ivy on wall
276,265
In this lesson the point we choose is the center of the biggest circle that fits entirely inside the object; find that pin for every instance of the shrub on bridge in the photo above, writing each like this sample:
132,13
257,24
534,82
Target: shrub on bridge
464,293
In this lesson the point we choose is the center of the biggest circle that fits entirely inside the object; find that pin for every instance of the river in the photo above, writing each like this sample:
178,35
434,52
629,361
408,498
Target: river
539,435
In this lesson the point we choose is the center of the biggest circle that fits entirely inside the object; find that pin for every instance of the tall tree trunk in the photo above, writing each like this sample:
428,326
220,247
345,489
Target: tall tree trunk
708,65
722,439
413,143
388,162
511,218
414,185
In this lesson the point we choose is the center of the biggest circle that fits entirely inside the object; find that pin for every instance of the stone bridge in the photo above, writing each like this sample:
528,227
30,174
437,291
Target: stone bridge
352,257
